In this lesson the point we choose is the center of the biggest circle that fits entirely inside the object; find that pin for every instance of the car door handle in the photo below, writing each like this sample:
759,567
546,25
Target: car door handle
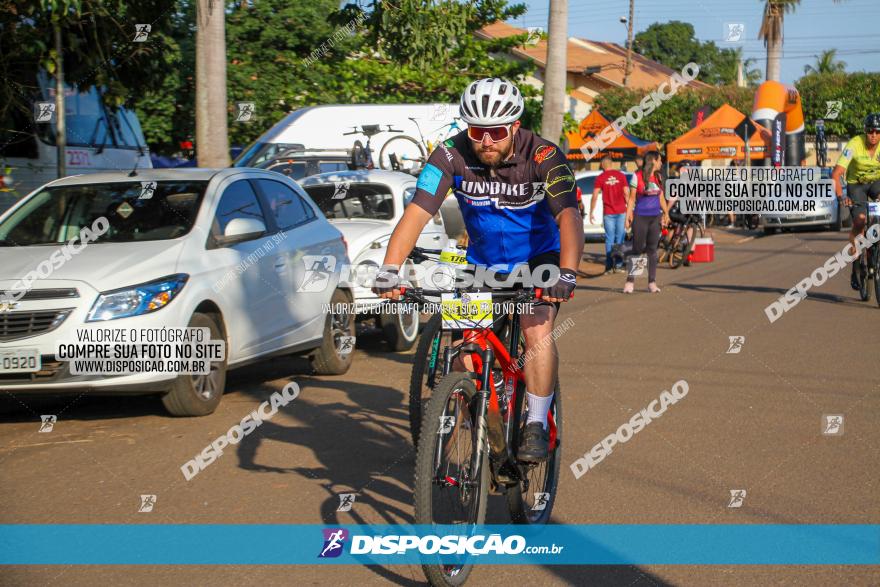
280,264
436,238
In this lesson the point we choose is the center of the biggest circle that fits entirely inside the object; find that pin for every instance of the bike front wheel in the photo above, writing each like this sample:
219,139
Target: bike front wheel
447,489
875,254
406,151
864,286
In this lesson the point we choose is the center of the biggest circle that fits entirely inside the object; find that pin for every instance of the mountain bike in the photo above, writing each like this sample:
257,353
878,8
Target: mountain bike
364,154
403,148
868,263
676,245
472,428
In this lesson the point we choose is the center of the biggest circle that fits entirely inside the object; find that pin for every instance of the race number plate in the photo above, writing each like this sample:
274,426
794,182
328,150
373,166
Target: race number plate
453,256
874,209
20,361
471,310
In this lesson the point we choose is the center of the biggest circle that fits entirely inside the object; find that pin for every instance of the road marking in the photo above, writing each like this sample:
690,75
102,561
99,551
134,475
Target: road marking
44,444
745,240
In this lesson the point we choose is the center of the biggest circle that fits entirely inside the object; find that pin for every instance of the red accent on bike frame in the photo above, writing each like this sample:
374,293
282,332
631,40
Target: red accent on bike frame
551,430
484,338
451,481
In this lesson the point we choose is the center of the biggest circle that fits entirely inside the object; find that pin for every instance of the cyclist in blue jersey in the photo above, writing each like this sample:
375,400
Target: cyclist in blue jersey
518,199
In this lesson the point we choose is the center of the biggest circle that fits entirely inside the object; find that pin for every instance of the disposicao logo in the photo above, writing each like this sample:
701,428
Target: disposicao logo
334,539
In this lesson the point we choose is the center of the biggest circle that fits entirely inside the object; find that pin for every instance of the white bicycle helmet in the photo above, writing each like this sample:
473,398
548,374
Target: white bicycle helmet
491,102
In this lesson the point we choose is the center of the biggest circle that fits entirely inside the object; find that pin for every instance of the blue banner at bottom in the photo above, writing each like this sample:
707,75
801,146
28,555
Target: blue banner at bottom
270,544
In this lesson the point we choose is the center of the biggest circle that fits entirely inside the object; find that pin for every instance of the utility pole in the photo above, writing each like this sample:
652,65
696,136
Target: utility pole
740,78
60,126
629,43
555,71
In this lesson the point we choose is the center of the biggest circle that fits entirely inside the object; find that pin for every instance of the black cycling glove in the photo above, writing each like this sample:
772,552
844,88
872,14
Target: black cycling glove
386,280
564,286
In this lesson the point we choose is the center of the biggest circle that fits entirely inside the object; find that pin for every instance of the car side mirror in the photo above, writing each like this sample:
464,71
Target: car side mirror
241,229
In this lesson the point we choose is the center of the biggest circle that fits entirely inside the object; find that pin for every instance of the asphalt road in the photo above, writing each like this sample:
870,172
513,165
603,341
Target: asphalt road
752,420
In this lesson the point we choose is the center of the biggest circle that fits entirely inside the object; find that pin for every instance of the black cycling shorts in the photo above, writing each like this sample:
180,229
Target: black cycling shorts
859,194
548,258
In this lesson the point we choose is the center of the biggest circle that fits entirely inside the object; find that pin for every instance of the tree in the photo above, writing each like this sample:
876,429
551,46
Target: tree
288,54
96,37
771,31
826,63
554,72
674,45
212,139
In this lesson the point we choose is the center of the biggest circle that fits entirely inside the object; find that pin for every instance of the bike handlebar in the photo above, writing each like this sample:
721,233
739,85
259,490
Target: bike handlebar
419,294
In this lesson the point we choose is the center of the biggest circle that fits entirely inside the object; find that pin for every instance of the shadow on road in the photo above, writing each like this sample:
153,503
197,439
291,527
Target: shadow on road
727,288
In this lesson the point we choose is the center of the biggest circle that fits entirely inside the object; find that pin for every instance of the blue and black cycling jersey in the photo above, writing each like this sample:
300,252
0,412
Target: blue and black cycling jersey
510,210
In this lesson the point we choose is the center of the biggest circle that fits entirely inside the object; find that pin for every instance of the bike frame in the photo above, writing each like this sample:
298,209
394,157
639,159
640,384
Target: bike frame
484,347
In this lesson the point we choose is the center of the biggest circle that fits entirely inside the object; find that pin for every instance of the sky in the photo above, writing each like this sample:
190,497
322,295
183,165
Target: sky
852,27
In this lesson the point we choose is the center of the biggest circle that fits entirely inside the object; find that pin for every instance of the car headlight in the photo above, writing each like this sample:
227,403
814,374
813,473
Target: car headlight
137,300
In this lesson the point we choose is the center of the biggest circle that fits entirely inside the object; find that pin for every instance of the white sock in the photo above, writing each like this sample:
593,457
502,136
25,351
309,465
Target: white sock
538,408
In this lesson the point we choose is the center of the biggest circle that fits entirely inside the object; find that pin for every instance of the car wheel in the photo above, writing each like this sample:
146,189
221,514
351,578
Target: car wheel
198,395
400,329
333,357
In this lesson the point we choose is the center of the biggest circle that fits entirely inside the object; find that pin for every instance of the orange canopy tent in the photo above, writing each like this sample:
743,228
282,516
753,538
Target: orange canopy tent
719,136
624,146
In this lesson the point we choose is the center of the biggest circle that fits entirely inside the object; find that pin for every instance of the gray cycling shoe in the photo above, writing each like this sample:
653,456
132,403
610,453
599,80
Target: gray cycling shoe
534,447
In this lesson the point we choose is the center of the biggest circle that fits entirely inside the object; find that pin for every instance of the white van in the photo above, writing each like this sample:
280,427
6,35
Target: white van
334,129
98,139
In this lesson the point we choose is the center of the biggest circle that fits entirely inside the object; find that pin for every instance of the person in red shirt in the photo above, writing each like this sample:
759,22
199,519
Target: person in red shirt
613,185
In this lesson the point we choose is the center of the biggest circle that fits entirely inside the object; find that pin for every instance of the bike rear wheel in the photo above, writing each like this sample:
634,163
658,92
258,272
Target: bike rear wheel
446,490
523,500
427,370
677,247
697,232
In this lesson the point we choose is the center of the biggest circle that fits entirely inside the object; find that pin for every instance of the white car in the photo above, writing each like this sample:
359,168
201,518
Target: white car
366,205
229,249
586,180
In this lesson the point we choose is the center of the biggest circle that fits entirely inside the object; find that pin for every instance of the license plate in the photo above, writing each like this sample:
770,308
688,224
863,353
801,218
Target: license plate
471,310
874,208
20,361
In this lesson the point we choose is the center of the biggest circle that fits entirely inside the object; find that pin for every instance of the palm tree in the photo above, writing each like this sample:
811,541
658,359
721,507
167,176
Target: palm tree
771,31
212,140
826,63
554,72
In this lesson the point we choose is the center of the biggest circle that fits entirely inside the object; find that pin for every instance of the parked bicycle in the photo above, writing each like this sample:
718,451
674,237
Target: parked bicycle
678,242
402,149
361,153
472,427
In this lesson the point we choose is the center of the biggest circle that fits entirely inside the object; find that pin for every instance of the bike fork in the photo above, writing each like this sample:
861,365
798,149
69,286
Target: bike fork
488,358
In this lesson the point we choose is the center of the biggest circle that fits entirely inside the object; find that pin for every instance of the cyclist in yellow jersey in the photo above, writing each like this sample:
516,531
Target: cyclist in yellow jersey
860,163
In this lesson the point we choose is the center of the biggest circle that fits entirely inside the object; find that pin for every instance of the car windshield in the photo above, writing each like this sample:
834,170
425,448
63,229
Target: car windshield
134,211
259,153
345,200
